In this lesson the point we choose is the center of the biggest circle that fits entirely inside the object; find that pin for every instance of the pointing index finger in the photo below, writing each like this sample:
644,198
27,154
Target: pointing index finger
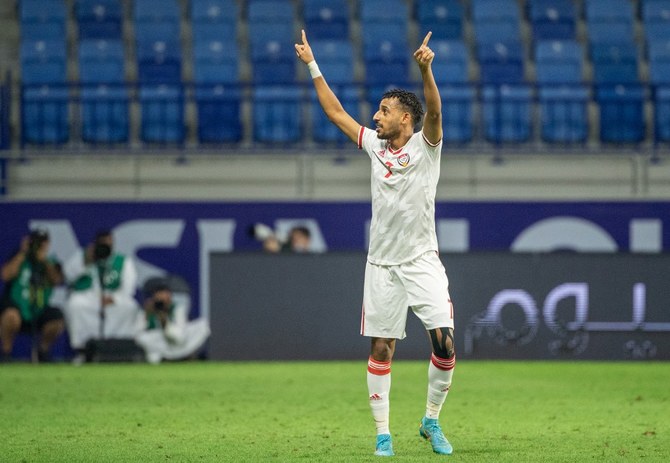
427,38
304,37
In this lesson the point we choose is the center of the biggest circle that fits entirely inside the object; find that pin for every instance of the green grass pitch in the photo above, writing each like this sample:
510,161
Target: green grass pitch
497,411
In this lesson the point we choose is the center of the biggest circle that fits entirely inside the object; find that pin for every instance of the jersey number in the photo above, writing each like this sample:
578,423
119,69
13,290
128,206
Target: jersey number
389,165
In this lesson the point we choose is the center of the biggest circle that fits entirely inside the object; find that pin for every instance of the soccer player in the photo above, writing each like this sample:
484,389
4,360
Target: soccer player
403,268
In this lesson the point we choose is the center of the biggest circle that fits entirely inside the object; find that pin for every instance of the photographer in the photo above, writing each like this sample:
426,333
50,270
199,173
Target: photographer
30,276
299,239
101,303
167,333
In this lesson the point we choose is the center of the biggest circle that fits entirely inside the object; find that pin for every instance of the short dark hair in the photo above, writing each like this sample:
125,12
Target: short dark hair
409,101
104,233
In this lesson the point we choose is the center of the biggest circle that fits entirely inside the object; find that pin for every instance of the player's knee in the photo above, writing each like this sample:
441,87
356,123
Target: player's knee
443,342
382,349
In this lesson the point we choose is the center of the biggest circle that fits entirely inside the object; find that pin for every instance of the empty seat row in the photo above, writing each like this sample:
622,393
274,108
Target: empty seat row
507,113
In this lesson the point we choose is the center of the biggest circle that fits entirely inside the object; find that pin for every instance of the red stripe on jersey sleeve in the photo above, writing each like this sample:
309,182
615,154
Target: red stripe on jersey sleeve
360,138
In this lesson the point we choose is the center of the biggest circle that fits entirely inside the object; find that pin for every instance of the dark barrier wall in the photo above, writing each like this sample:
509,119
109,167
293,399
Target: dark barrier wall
178,237
520,306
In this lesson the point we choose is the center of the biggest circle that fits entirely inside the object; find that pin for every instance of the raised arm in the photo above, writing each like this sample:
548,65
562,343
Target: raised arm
432,123
329,102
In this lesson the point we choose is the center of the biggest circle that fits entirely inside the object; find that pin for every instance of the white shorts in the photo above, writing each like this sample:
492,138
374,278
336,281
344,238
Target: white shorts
390,290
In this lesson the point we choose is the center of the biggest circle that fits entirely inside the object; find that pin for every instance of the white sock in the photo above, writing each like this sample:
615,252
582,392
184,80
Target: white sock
440,372
379,389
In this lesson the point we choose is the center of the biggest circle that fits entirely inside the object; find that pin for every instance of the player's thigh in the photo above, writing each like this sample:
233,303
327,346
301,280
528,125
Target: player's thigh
384,303
428,291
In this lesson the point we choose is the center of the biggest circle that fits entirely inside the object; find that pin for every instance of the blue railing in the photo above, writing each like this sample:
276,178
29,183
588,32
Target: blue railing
518,115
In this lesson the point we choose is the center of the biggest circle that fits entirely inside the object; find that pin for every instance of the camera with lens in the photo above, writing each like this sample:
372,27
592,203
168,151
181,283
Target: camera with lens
161,306
102,251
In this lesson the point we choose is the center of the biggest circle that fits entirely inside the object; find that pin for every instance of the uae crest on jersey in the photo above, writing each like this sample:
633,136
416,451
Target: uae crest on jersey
403,159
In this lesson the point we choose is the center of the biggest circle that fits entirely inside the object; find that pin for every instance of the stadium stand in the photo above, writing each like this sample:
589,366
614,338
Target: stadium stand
559,62
553,19
443,17
621,113
496,21
42,19
162,114
277,114
326,19
507,113
497,60
99,19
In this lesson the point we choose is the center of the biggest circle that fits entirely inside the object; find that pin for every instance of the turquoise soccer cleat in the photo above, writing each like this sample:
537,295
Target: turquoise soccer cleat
384,446
431,431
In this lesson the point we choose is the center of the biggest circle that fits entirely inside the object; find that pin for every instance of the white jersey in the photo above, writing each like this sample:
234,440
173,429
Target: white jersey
404,184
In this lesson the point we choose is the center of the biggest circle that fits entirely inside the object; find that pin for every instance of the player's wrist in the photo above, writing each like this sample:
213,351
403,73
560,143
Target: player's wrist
313,69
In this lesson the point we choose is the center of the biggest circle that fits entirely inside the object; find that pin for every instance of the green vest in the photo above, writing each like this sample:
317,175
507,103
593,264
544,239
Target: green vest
110,271
31,290
153,322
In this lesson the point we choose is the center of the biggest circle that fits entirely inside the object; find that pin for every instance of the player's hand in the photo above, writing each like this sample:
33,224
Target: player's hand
424,55
304,51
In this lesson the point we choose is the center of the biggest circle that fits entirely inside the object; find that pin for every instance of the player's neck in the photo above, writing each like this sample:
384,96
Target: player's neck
396,144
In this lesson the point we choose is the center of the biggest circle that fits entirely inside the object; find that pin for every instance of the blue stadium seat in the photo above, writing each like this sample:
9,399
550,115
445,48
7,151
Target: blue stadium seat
656,20
104,114
156,20
206,32
621,113
42,19
324,131
214,11
41,11
659,62
457,113
270,11
386,62
605,33
501,62
662,114
451,61
215,62
336,60
496,21
218,113
277,114
382,19
553,19
99,19
609,21
156,11
608,10
43,61
162,119
149,32
386,11
559,62
507,113
564,116
44,115
273,62
326,19
443,17
54,30
615,63
159,62
101,61
261,33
